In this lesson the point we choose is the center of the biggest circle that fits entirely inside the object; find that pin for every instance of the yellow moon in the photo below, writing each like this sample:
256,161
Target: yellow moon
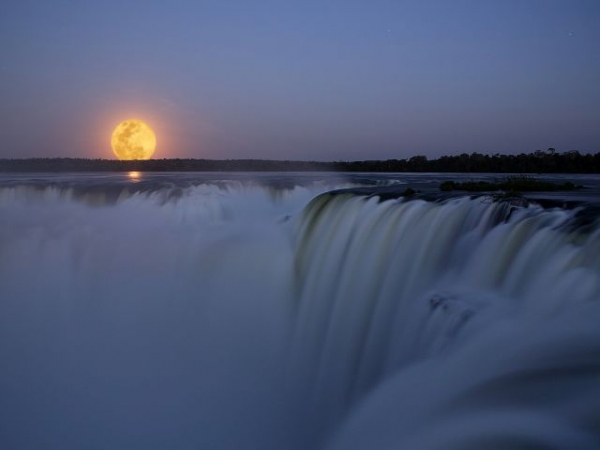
133,139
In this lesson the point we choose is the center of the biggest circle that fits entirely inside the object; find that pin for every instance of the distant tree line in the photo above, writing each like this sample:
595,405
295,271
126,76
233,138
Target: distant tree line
549,161
537,162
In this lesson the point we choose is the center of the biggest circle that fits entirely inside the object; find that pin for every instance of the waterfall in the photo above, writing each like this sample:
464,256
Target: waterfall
232,314
384,285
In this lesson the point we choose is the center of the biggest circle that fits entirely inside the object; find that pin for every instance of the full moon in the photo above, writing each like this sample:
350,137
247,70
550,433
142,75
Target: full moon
133,139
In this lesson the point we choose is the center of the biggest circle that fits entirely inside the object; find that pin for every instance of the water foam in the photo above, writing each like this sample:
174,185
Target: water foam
234,315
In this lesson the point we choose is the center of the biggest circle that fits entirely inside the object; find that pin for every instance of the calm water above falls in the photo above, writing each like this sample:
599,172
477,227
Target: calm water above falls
233,311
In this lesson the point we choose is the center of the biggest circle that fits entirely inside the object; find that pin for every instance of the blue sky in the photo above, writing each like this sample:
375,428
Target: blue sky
325,80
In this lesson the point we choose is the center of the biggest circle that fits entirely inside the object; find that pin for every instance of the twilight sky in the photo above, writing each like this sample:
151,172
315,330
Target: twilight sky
307,79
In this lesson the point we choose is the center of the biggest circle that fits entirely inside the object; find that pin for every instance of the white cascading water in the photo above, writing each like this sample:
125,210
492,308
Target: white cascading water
232,315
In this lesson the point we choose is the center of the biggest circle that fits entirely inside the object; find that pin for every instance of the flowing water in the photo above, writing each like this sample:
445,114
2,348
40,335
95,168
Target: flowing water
295,311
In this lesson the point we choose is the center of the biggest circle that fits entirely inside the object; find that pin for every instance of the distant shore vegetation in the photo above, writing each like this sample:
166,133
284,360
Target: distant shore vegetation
549,161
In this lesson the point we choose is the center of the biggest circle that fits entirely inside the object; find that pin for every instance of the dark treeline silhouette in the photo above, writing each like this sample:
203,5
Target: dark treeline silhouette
537,162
